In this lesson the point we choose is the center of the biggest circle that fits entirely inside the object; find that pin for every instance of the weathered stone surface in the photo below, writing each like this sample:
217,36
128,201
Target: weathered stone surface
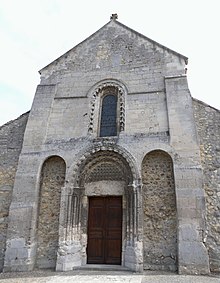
11,139
208,126
159,209
52,179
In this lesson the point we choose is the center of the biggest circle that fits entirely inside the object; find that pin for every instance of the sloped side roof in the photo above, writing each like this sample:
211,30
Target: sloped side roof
205,104
126,28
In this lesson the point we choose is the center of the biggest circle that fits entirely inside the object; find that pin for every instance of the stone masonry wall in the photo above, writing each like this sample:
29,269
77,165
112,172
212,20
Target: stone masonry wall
59,124
113,52
52,179
11,139
208,126
159,204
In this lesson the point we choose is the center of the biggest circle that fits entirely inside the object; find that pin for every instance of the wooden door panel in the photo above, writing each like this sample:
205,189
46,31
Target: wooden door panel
104,230
95,249
113,252
113,230
113,234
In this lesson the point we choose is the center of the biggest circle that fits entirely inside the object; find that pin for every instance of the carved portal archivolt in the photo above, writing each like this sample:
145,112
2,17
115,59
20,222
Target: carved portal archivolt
102,170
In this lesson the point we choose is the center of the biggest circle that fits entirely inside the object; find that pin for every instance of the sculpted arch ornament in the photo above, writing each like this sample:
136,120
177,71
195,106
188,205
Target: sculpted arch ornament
108,163
103,145
95,95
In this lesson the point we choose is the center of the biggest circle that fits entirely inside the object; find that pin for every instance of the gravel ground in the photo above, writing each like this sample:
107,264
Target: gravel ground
82,276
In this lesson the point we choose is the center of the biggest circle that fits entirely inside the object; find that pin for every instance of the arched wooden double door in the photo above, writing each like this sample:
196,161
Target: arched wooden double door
104,230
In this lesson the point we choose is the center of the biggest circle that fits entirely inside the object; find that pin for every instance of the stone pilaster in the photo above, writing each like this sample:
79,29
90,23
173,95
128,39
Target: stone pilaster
192,253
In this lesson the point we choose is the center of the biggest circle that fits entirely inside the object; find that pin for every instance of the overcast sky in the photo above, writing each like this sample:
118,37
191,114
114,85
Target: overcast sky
33,33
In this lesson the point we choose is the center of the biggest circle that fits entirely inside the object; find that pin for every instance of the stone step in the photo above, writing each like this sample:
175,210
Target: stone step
107,267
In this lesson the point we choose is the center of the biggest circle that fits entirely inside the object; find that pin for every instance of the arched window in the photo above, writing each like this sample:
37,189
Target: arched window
108,123
107,102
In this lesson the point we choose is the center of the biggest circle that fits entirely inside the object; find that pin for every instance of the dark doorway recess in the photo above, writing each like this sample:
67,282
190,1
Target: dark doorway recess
104,230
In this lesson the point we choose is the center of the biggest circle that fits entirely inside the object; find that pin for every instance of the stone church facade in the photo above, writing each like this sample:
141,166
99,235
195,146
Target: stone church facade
115,164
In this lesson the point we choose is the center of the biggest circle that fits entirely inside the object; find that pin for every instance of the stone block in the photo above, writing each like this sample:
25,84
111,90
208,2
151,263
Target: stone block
188,233
17,243
193,258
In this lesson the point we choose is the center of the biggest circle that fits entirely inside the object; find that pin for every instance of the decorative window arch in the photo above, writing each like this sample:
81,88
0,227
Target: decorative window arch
107,115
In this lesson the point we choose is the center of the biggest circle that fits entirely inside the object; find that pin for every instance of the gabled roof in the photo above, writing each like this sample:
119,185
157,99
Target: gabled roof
128,29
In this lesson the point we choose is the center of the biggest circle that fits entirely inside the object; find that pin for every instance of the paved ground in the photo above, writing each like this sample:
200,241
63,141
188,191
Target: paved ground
83,276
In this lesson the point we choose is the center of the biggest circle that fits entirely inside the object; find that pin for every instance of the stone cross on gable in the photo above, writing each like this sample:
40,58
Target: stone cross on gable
114,17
